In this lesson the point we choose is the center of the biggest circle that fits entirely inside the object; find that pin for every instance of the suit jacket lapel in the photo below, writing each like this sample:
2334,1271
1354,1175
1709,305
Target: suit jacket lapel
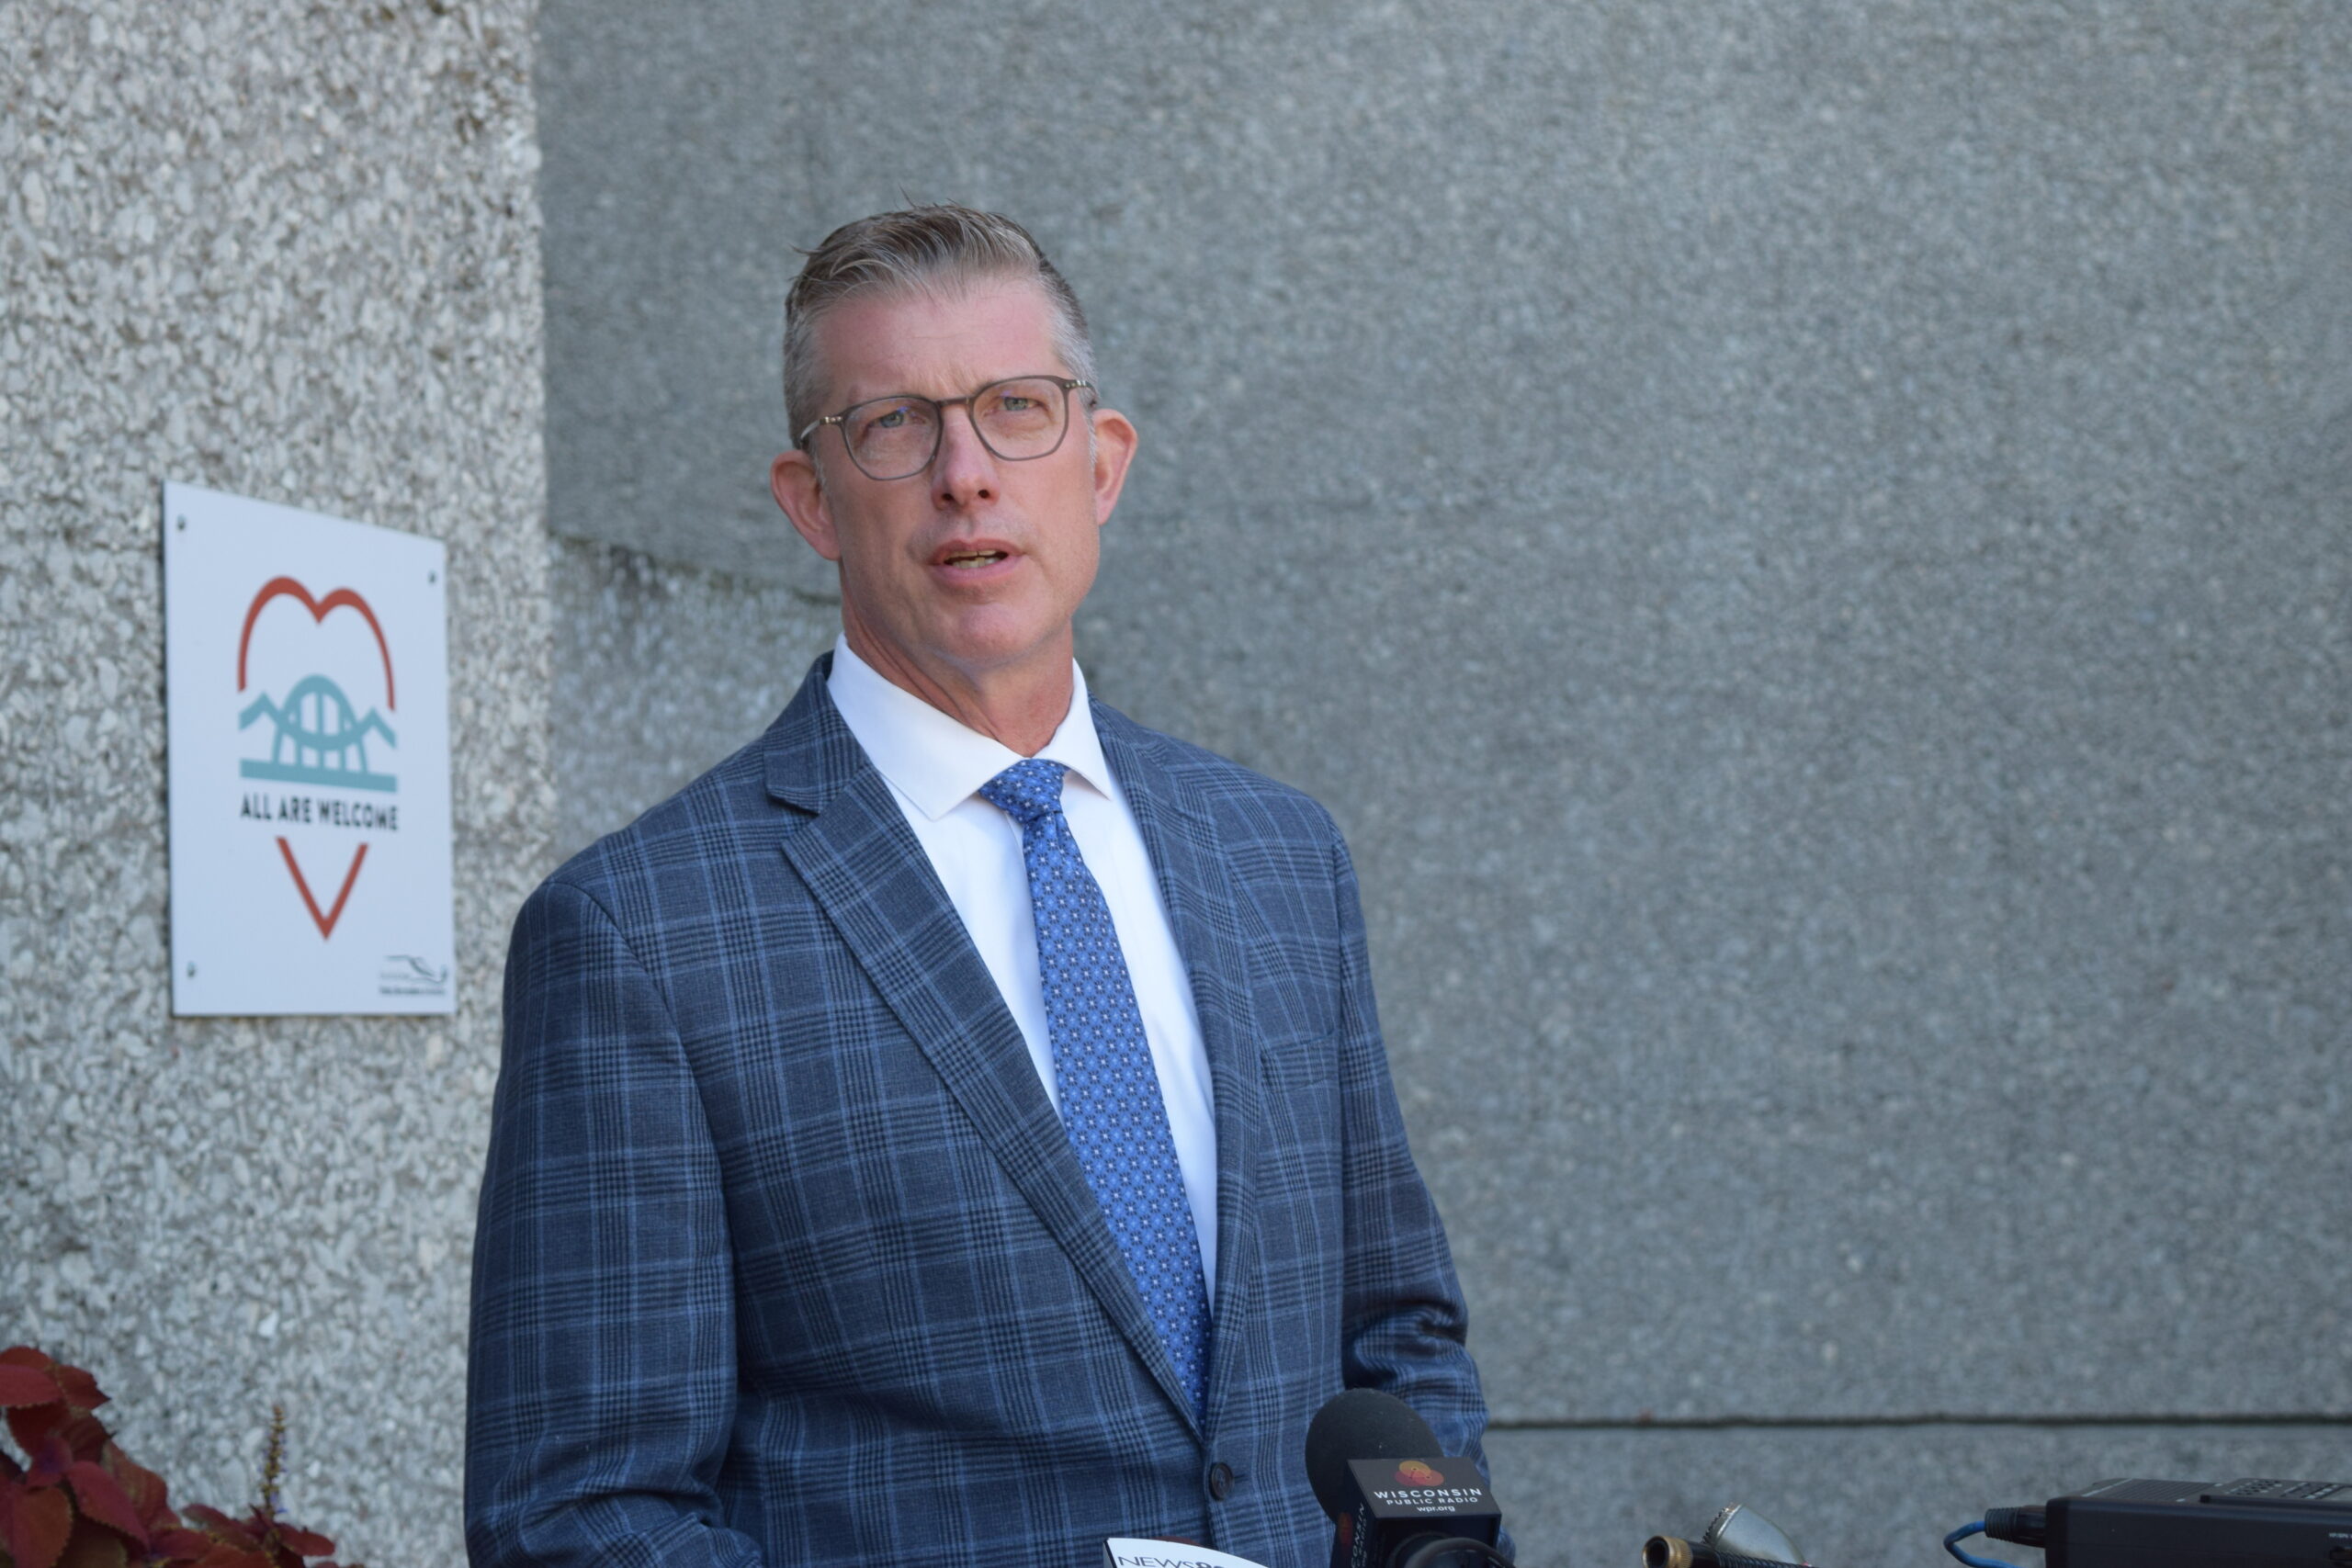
868,871
1197,887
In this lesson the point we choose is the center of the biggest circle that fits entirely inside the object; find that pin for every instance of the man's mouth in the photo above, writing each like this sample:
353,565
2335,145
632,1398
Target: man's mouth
967,560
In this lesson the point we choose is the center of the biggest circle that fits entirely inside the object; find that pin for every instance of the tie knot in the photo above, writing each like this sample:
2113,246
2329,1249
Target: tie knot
1027,792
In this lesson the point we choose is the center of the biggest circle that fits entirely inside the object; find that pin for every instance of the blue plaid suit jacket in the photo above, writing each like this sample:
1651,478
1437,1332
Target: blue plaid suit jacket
784,1257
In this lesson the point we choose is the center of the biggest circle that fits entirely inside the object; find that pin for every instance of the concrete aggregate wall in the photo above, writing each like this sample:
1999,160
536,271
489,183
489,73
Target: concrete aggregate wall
662,669
290,252
1809,545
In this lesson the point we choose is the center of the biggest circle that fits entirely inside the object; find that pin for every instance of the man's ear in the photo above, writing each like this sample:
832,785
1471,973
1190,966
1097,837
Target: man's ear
794,481
1114,448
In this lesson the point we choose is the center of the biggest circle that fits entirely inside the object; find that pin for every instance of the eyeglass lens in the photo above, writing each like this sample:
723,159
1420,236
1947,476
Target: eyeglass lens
893,437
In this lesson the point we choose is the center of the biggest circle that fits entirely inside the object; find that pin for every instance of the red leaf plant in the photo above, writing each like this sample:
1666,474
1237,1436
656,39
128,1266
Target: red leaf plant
78,1501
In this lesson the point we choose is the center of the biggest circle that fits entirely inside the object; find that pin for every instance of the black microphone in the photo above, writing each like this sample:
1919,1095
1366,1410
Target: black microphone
1397,1500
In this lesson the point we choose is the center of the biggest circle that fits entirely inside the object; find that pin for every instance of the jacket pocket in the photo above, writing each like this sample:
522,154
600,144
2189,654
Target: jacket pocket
1300,1066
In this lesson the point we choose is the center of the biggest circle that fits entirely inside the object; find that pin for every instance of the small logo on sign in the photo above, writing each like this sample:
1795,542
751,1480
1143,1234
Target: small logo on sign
1413,1473
406,974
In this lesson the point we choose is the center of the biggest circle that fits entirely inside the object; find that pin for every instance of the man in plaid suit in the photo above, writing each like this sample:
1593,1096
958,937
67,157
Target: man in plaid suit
799,1240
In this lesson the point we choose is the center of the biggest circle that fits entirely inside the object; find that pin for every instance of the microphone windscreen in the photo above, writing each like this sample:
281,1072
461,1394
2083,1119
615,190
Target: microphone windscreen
1361,1422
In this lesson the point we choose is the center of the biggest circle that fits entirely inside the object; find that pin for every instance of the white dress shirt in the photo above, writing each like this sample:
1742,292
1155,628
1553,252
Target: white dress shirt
935,767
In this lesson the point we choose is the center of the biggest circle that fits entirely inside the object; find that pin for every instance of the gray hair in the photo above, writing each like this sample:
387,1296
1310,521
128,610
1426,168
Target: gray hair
923,249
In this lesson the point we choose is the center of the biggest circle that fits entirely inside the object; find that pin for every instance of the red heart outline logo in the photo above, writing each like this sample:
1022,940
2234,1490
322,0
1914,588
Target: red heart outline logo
341,598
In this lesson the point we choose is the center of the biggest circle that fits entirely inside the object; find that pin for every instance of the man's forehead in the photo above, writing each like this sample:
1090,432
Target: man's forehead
940,340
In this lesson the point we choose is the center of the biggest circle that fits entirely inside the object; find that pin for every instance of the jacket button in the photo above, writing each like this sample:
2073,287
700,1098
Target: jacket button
1220,1480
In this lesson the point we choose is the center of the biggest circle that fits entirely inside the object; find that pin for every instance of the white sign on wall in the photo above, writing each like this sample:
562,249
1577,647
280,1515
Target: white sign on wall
307,670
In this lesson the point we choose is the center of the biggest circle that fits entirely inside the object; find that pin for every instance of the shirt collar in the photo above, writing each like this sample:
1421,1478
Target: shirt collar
934,761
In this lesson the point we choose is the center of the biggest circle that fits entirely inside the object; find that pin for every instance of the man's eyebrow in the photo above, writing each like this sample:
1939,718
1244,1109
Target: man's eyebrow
892,388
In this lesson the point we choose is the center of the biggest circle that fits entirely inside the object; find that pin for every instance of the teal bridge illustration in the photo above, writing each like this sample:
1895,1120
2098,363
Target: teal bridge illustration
320,740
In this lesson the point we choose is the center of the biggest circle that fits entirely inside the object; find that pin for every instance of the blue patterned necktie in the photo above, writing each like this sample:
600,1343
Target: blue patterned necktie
1110,1092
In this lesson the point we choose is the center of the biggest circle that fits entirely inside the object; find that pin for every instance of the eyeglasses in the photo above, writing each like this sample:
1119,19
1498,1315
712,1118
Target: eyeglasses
896,437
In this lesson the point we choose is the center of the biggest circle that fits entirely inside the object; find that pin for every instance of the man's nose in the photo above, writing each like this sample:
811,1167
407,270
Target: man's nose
964,470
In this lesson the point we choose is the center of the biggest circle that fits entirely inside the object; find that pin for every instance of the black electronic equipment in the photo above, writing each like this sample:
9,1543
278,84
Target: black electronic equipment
2189,1524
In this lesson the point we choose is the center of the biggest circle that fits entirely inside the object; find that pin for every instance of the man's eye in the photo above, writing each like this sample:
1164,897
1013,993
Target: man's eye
890,420
1015,402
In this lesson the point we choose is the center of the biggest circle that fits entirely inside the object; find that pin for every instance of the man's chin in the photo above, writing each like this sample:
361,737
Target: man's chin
972,648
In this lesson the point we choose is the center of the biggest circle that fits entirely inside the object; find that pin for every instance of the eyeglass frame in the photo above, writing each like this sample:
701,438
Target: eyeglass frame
1068,384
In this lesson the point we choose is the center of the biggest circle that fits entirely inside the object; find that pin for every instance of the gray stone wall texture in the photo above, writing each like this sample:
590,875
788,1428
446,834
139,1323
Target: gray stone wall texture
663,668
1807,546
290,252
